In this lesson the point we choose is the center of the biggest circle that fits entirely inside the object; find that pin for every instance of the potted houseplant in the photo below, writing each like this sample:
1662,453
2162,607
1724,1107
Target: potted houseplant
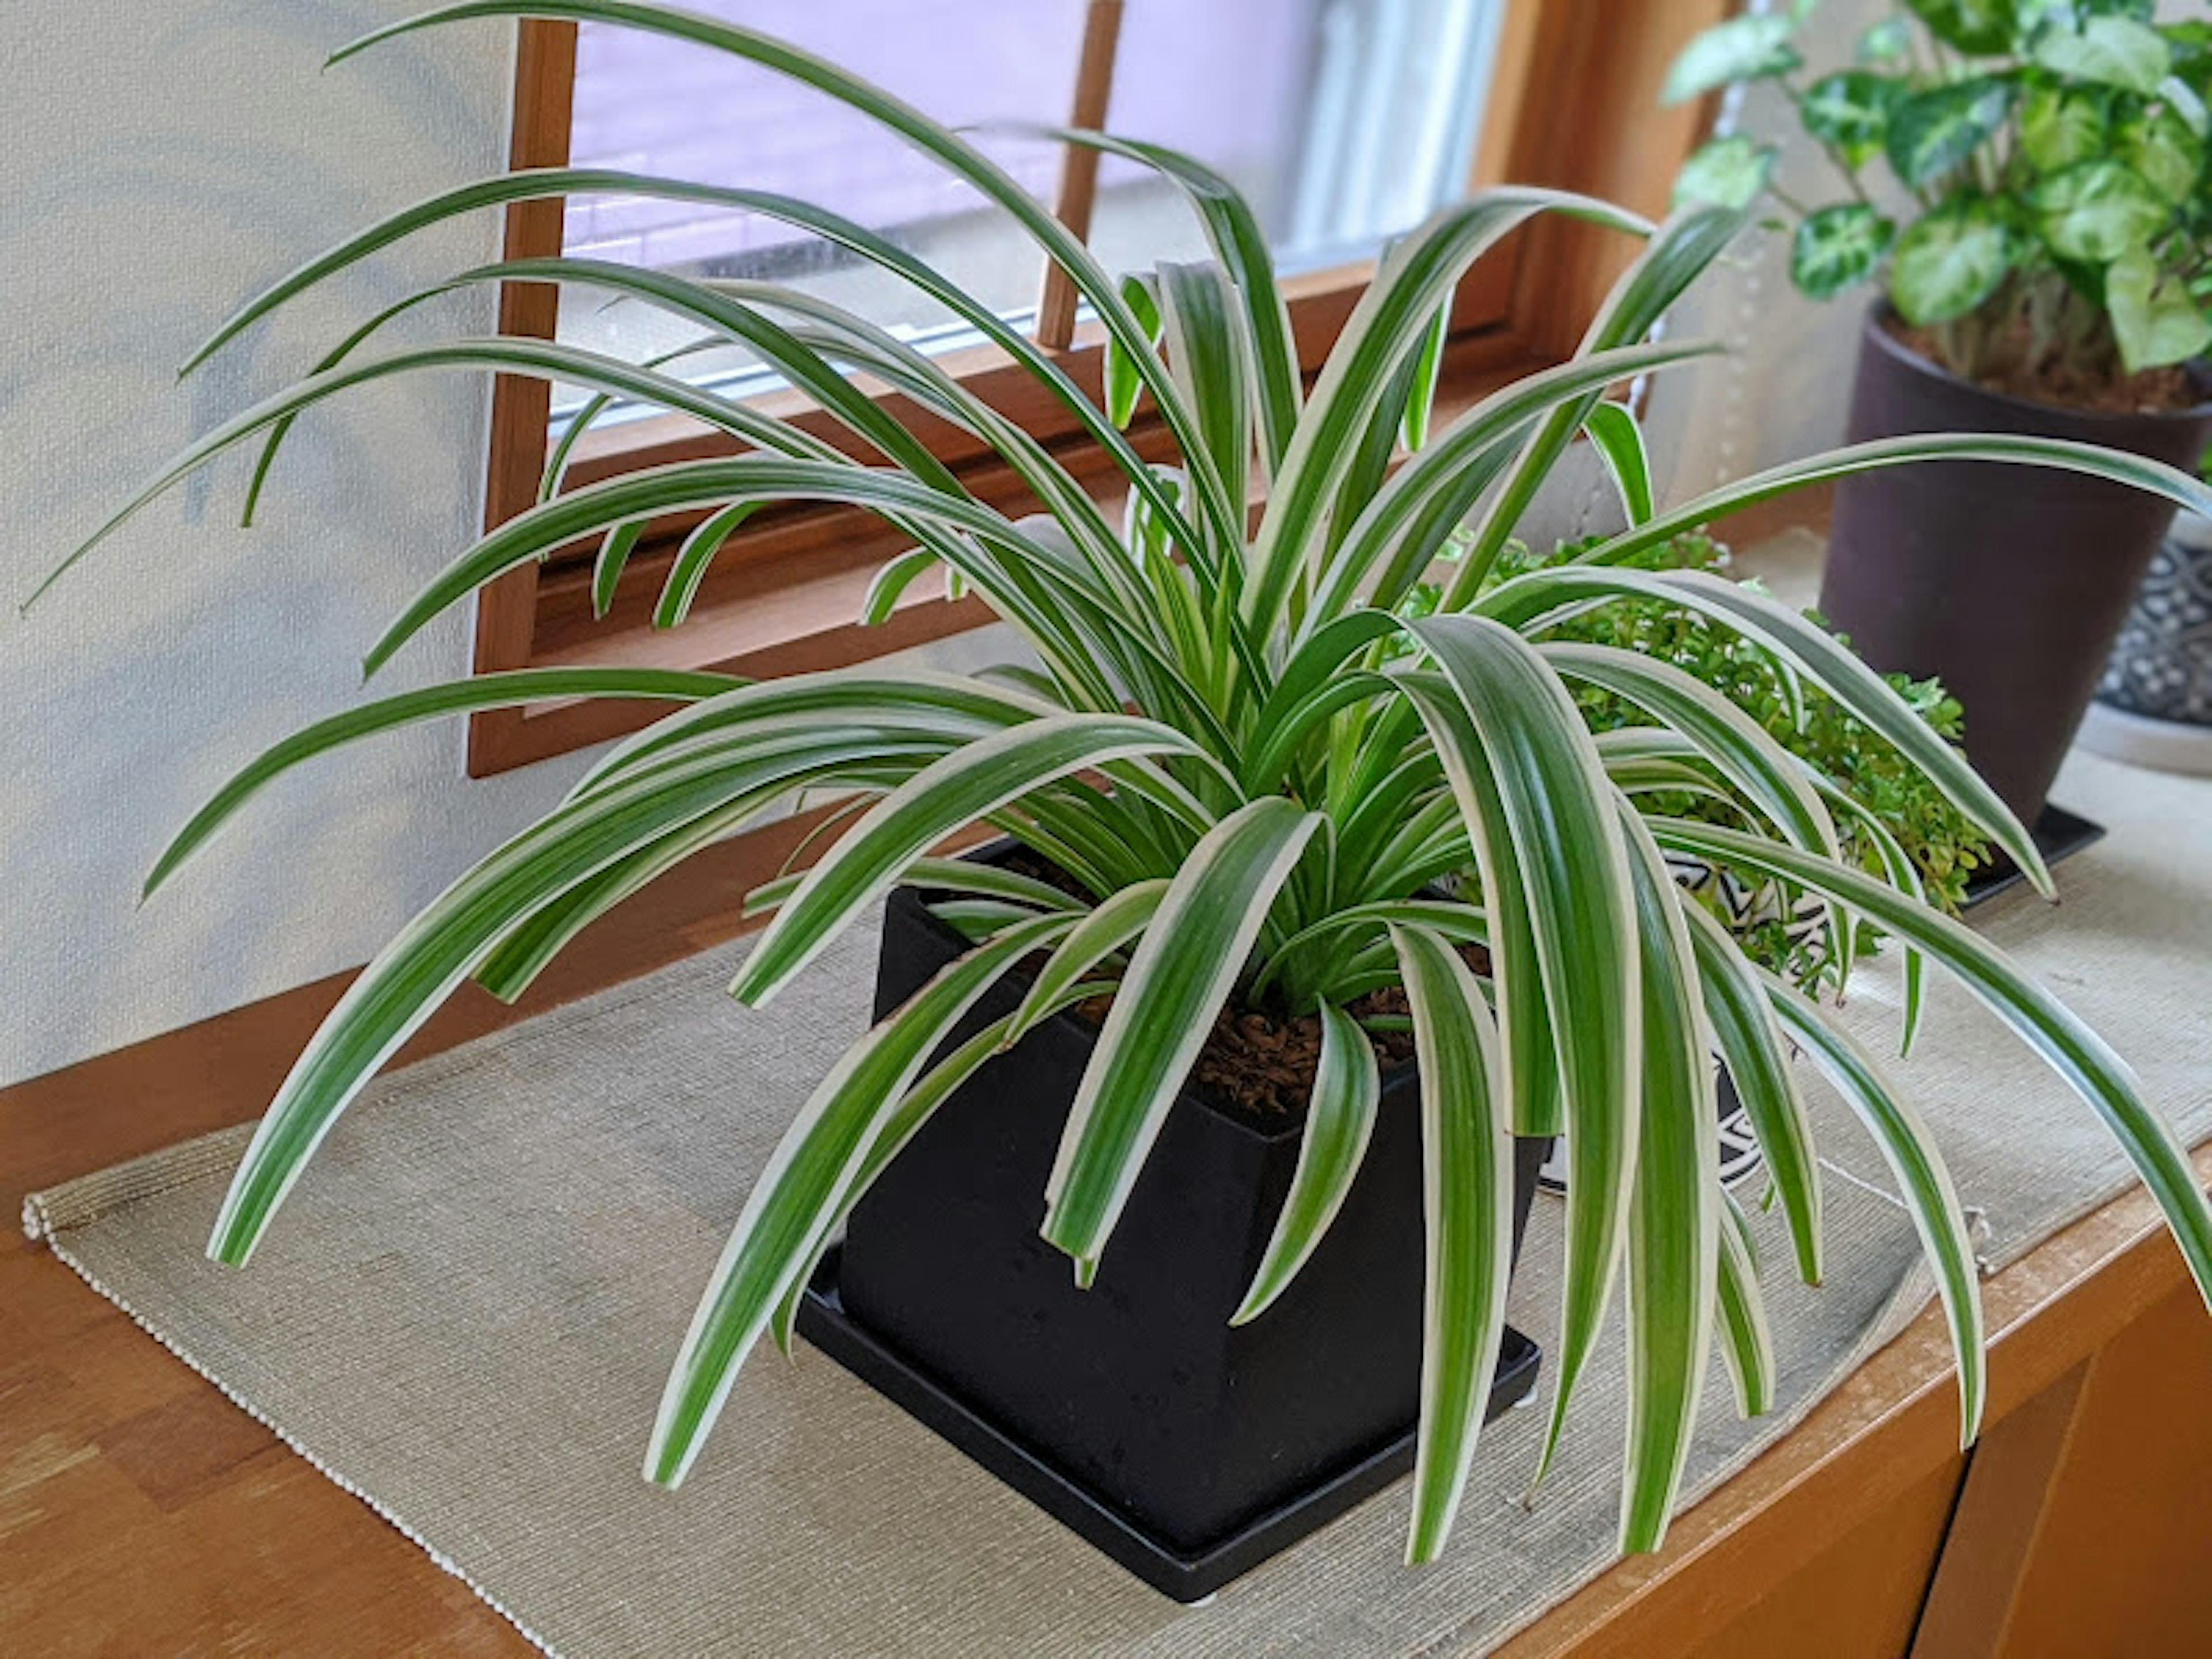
1245,763
2028,180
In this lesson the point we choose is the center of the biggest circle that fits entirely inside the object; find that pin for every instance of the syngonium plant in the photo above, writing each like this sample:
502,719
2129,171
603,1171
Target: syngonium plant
1251,757
2050,157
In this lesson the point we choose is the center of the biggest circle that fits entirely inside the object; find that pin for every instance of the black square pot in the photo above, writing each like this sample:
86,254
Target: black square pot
1195,1436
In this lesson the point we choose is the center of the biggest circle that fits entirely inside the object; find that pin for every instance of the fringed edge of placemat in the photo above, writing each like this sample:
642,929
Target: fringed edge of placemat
48,1215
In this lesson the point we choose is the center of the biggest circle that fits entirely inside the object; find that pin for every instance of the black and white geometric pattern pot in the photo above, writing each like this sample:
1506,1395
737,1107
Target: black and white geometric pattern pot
1742,906
2154,707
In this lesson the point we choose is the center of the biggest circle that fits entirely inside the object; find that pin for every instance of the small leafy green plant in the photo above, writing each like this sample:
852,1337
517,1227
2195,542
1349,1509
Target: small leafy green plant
2057,228
1892,820
1242,747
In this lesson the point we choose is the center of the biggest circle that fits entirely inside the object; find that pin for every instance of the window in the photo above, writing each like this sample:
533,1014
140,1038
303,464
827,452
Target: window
1344,121
1350,120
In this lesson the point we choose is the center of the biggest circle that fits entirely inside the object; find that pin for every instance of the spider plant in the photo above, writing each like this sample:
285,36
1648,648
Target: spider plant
1249,753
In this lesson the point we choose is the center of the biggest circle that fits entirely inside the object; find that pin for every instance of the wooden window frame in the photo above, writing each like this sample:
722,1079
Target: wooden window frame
1573,103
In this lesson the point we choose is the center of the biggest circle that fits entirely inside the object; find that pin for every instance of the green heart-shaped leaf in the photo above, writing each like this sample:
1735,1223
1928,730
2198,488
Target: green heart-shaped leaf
1727,172
2095,211
1748,48
1931,132
2107,51
2059,127
2154,316
1949,262
1976,26
2157,146
1837,247
1850,110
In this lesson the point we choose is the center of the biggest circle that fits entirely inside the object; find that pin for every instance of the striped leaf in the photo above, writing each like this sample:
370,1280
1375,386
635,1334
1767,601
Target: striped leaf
1747,1340
940,145
1618,441
1902,873
1527,602
2049,1029
1923,1184
541,358
1109,928
1410,516
1466,1210
795,1198
539,184
1751,1047
971,876
2137,471
1240,245
896,1127
1677,254
1517,955
1673,1232
1737,746
689,567
1340,1122
1192,955
964,787
1390,321
514,689
1557,811
428,958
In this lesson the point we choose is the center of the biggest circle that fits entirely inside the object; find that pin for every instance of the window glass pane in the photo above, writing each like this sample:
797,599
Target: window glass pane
646,104
1344,121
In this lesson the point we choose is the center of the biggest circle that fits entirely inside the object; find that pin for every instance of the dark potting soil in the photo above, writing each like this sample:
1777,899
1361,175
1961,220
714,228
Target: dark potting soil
2062,384
1257,1063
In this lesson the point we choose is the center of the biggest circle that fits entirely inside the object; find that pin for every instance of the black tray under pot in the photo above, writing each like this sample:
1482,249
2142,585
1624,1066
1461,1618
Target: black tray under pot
2058,834
1185,1574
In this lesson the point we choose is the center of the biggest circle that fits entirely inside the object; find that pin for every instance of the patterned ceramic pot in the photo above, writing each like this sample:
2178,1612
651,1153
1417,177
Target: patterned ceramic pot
2153,706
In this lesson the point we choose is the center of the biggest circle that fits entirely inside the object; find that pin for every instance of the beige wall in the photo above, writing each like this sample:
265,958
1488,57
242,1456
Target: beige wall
162,161
1786,387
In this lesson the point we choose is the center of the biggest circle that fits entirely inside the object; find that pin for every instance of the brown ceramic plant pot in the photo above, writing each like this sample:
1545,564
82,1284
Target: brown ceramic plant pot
2008,582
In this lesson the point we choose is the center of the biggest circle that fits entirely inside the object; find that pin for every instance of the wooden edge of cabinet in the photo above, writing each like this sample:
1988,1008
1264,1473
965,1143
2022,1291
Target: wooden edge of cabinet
1884,1428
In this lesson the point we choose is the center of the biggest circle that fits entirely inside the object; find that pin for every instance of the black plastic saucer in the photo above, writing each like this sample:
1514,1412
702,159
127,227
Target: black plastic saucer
1187,1575
2057,833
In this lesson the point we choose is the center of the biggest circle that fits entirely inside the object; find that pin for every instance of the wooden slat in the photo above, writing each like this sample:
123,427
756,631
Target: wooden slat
2120,1559
1079,167
2001,1510
506,609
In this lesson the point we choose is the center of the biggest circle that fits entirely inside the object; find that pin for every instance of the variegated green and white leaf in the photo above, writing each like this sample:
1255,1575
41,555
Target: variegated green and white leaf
2050,1030
1751,1047
1923,1183
1340,1122
1549,800
1192,955
1108,928
1673,1232
795,1198
964,787
1747,1339
1467,1209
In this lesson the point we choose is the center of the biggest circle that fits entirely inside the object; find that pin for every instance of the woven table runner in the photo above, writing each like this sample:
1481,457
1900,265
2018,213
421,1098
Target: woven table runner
466,1312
